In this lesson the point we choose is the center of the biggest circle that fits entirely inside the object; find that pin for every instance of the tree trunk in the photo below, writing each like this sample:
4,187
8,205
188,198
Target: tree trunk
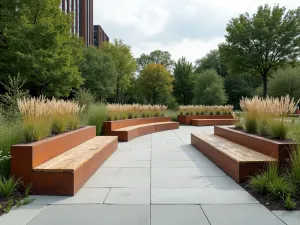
184,98
265,85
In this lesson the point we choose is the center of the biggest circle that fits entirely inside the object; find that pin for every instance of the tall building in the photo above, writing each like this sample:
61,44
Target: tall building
99,36
83,18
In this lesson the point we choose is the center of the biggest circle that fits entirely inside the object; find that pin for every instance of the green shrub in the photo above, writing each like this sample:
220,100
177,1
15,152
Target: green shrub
289,204
96,115
10,133
259,183
294,173
8,186
84,97
280,187
278,128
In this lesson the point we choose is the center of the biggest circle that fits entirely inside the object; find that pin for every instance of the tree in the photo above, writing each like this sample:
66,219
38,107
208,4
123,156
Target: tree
209,89
157,57
262,43
100,73
41,48
155,82
124,62
183,81
285,81
212,60
238,86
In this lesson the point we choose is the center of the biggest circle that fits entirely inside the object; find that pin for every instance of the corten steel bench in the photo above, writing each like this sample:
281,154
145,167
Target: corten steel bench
187,120
129,129
213,122
235,160
61,165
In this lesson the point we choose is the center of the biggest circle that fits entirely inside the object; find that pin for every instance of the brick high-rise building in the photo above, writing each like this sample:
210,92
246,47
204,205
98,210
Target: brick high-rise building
83,18
99,36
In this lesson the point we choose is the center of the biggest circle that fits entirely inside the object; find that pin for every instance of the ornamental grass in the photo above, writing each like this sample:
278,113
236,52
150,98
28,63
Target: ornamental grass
120,111
268,117
43,117
205,110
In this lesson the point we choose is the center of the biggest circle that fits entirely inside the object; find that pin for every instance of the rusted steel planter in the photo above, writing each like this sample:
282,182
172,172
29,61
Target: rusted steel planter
187,120
139,127
25,157
213,122
279,150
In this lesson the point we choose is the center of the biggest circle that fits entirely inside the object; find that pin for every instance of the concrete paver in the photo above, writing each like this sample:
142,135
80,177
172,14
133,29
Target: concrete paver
290,218
128,196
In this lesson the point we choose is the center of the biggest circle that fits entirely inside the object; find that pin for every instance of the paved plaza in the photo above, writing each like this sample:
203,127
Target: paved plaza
157,179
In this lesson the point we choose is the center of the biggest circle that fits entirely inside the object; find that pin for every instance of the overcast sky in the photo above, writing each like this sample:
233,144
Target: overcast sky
189,28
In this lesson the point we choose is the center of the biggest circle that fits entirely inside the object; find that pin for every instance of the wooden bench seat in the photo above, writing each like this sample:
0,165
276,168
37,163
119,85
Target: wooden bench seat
127,130
60,165
237,161
77,156
212,122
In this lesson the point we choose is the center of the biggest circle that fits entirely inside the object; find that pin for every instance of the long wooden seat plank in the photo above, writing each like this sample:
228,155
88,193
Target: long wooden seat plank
237,161
235,151
75,157
142,125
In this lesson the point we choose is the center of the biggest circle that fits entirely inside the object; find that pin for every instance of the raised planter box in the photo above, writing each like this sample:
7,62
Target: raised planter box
187,120
26,157
213,122
279,150
129,129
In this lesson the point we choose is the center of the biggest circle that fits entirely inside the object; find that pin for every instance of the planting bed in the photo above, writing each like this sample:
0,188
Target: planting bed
129,129
60,165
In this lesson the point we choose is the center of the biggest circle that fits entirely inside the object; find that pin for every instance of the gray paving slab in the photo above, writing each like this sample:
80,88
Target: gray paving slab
93,214
21,215
182,164
240,215
119,181
134,172
112,163
201,196
290,218
83,196
187,172
177,215
130,156
193,182
107,171
128,196
177,156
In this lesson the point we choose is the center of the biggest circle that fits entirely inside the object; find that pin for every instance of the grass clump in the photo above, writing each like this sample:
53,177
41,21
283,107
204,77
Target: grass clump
267,117
205,110
96,115
42,117
8,186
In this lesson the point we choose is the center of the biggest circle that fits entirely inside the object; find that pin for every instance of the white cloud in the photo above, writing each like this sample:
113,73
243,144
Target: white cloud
189,28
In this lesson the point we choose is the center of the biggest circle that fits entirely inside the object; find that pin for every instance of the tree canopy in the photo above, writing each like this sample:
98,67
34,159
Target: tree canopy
40,47
99,72
124,62
261,43
285,81
209,89
212,60
157,57
155,82
183,81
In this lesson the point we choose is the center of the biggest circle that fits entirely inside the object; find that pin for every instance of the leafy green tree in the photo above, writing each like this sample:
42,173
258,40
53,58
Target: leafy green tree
209,89
157,57
124,62
100,73
285,81
212,60
238,86
262,43
183,81
41,48
155,82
